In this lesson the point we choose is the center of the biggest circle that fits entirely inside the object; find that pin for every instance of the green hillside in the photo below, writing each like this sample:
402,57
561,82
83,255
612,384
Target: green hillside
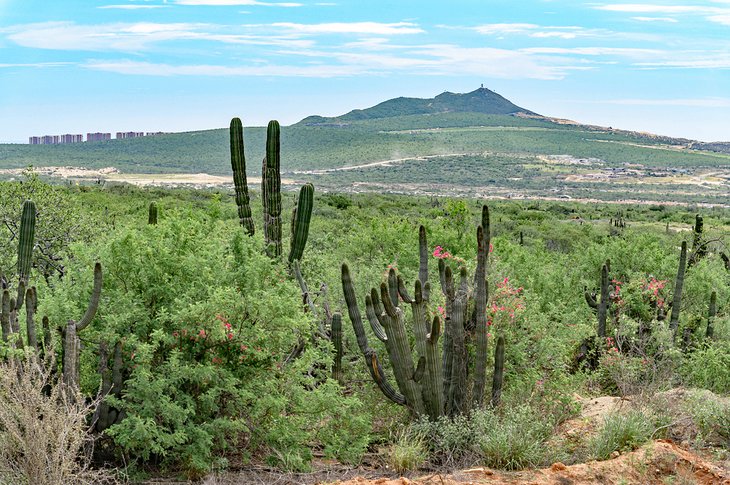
480,101
526,155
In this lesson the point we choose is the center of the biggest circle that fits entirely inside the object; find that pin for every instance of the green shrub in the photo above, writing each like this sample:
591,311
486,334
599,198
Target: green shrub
621,432
407,452
709,368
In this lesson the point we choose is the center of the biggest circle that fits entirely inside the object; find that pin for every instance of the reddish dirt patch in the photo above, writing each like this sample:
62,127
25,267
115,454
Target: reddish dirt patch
654,463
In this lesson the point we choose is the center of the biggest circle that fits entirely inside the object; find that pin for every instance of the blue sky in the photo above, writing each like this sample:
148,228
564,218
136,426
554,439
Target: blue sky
177,65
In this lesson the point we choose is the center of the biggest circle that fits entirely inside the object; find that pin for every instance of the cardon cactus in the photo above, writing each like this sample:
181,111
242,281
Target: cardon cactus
238,164
301,215
601,306
712,312
337,342
678,286
699,246
152,214
271,191
437,384
26,240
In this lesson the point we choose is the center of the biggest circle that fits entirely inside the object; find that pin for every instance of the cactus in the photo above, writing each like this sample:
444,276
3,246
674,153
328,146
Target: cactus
601,306
712,312
301,215
337,342
678,285
436,385
71,341
25,244
498,375
152,214
238,164
271,191
699,247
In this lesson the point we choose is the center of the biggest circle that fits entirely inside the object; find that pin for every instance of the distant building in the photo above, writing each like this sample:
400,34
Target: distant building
50,140
98,136
34,140
71,138
153,133
129,134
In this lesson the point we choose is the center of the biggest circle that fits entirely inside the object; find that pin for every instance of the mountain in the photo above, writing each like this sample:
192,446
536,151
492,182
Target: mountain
481,100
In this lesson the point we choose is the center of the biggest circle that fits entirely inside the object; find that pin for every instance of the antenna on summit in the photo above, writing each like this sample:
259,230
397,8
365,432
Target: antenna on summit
482,86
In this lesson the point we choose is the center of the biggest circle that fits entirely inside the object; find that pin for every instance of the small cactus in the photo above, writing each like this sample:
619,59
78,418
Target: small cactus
152,214
26,242
301,215
271,191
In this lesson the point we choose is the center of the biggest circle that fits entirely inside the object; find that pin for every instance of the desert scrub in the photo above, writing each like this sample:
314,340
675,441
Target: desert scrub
510,439
709,368
407,452
44,433
621,432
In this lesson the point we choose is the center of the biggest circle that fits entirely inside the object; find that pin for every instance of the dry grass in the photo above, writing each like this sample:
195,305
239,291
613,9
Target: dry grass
44,431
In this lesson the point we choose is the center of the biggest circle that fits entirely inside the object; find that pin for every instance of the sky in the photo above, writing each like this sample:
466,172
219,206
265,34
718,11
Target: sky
78,66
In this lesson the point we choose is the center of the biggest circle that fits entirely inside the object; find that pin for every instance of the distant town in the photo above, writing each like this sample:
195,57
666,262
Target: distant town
64,139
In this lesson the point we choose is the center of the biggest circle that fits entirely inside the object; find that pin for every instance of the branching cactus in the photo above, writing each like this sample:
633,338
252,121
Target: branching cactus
337,342
678,286
71,341
699,245
271,191
152,214
301,215
601,306
437,383
238,164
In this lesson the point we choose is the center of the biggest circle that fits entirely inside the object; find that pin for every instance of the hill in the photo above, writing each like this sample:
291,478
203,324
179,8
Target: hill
481,100
428,147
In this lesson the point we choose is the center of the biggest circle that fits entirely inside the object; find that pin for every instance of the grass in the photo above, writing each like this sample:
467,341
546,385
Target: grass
621,432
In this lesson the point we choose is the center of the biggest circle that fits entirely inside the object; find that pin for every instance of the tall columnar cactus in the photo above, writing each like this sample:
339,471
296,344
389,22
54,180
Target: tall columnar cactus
152,214
699,247
678,285
601,306
26,240
71,341
712,312
337,342
238,164
271,190
436,385
498,375
301,215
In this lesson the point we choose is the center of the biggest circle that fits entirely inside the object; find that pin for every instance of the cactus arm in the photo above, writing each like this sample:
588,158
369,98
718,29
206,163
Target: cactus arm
238,165
447,288
271,190
378,329
423,261
5,318
31,305
21,296
678,285
480,306
393,287
376,371
442,276
403,292
301,218
590,298
26,240
400,351
712,312
371,358
498,376
71,350
427,346
94,301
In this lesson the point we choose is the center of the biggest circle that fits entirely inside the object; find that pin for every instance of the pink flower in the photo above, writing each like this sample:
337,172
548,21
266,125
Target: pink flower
202,333
230,336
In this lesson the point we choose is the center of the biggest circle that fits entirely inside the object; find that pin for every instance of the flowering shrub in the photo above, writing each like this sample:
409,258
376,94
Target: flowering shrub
505,303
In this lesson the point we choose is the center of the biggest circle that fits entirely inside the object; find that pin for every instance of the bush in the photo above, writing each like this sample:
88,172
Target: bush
709,368
621,432
407,452
44,435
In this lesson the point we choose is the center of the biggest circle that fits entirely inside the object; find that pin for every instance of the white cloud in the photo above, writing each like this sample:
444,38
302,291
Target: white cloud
131,7
500,29
656,19
231,3
133,37
37,64
375,28
719,15
152,69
